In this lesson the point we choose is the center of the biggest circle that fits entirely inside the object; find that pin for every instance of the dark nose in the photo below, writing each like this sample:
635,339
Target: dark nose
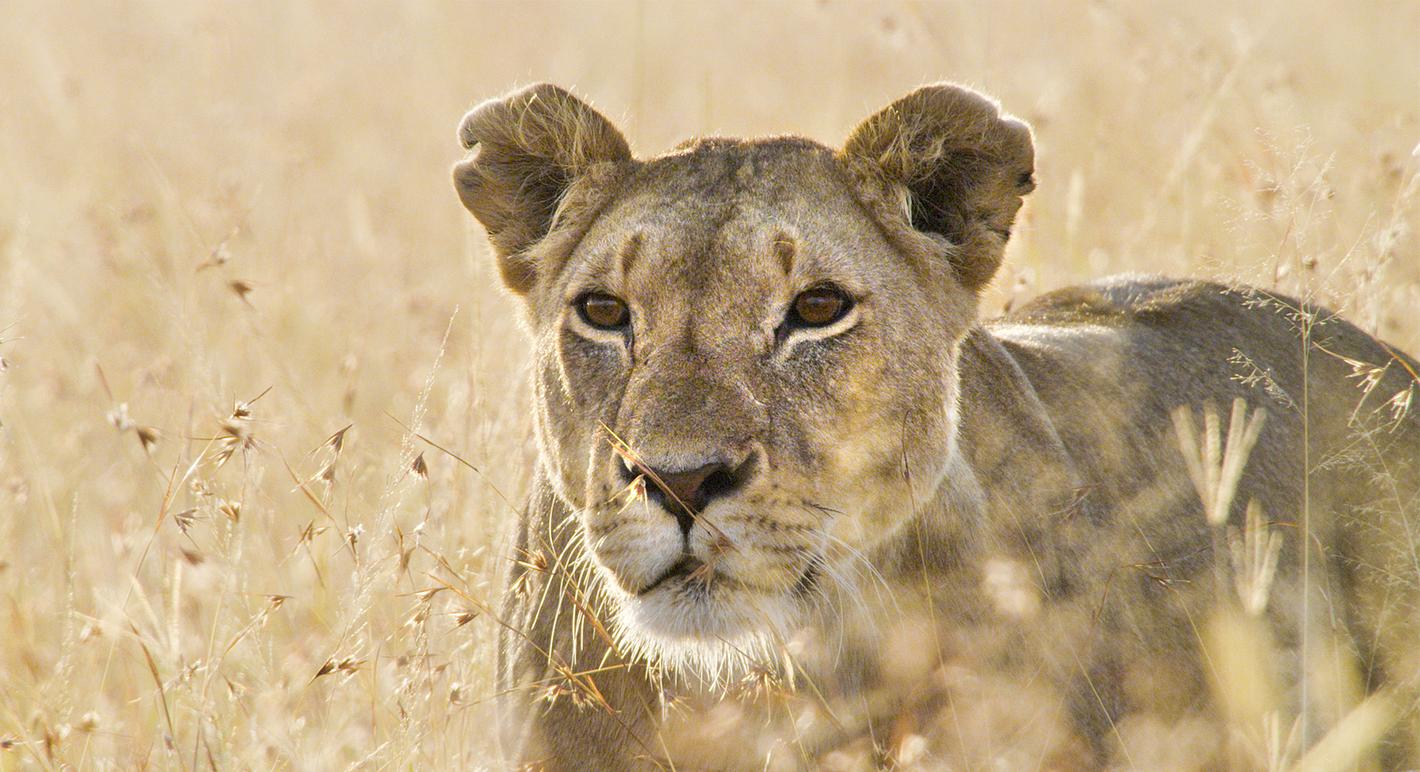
687,491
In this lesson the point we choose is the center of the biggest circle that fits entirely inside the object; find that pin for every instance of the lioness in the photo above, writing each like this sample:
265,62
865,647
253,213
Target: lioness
793,494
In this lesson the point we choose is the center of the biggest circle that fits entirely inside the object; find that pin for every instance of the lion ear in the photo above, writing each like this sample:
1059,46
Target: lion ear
963,165
527,150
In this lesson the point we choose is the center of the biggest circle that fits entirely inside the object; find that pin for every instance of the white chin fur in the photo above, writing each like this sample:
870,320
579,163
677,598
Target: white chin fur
706,635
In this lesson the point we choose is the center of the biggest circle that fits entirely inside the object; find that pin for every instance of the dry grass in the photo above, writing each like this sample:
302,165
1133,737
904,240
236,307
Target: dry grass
235,283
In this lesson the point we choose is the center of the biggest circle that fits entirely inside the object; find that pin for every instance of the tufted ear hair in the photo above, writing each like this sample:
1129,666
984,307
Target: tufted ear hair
962,165
528,149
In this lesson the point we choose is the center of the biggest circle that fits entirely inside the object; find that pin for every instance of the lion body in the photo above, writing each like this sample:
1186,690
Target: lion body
982,534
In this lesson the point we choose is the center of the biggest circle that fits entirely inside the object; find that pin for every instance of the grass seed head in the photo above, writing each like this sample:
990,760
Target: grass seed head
1254,553
232,509
336,442
118,417
186,518
1214,466
148,437
241,289
533,560
427,595
1400,404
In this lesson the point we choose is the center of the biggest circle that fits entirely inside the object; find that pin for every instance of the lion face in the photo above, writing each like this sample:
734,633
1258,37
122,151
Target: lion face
732,366
744,350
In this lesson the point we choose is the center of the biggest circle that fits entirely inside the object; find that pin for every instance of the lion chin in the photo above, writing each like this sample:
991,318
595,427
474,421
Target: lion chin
704,627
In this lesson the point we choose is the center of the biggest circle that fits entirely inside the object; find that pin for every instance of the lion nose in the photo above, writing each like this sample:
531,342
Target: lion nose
685,491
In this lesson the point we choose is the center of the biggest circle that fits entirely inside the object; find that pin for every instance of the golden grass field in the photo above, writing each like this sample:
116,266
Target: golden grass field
235,281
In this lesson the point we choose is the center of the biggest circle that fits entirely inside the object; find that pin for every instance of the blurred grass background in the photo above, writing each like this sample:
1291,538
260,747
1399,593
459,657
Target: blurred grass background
203,202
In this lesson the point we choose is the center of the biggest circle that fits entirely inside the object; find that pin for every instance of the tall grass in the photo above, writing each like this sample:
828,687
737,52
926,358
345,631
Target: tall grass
263,408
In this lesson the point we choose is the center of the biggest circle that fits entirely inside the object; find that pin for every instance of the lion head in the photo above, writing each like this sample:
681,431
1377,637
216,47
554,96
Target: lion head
744,350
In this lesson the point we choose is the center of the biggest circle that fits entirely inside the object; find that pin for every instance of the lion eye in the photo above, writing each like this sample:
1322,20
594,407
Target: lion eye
603,311
820,306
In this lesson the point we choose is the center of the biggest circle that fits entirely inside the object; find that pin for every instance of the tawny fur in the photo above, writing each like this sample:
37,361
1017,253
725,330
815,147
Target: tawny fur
1011,493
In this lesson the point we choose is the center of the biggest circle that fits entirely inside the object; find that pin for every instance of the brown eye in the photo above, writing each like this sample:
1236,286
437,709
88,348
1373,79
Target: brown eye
820,306
603,311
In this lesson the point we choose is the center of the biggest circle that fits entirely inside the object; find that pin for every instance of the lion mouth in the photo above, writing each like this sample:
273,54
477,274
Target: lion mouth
695,612
695,572
685,567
